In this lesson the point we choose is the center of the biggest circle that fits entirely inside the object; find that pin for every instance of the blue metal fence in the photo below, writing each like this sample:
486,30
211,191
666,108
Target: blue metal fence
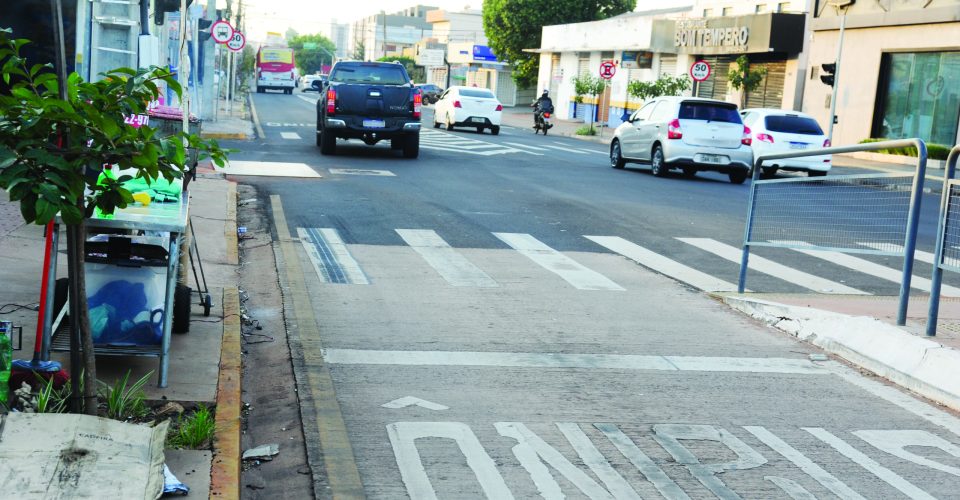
880,209
946,255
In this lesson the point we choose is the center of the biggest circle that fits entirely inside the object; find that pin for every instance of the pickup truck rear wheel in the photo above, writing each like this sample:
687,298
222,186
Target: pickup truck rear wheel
328,144
397,143
319,135
411,146
495,130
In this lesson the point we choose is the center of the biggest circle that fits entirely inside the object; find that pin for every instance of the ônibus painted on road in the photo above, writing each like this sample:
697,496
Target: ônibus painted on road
276,69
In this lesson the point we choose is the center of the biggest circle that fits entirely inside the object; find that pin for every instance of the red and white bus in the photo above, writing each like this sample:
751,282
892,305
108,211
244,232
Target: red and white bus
276,69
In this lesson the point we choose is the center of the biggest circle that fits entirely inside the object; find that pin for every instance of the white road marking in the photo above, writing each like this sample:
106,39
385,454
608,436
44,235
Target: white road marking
663,265
774,269
412,401
269,169
871,268
642,462
290,135
593,151
450,264
570,270
403,437
920,255
871,465
335,258
362,171
895,442
445,141
829,481
311,101
791,488
517,144
569,150
586,361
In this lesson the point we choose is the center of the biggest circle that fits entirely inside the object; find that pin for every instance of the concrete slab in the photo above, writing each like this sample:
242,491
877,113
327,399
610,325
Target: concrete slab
192,468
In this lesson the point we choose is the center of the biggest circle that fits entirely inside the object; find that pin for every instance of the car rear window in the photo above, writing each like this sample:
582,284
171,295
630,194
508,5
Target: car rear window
709,111
476,93
383,75
793,124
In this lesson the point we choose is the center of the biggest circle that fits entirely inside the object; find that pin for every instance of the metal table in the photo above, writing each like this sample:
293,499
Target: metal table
162,217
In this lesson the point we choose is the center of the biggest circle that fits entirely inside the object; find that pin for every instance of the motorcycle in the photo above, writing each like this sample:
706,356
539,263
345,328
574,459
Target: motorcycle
541,120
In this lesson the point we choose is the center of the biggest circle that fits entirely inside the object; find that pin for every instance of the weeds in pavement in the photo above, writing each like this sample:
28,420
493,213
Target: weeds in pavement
51,399
196,431
125,402
586,131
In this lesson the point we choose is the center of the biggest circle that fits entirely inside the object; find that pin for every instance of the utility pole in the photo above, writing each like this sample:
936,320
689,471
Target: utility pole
383,44
841,6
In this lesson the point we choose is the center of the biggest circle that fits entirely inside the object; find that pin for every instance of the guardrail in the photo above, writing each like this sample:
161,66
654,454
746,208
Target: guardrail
946,254
882,210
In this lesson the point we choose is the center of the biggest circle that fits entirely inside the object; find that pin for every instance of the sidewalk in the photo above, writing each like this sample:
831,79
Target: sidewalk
204,362
232,122
522,117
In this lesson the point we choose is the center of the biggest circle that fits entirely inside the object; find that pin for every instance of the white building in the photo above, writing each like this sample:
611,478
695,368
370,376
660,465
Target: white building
382,34
340,36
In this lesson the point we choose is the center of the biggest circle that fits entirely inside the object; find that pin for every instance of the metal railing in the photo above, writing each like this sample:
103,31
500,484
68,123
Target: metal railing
839,213
946,254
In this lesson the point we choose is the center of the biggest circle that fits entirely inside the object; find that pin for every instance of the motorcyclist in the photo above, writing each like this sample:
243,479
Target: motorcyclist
542,105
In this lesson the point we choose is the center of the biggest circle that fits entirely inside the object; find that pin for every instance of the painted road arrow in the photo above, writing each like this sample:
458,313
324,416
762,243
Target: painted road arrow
411,401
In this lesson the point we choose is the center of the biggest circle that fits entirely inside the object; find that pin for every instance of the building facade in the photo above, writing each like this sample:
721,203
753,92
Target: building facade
899,74
380,35
340,36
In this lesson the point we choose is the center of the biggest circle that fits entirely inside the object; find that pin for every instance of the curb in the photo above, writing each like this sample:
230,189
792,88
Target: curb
230,227
228,136
914,363
225,469
255,118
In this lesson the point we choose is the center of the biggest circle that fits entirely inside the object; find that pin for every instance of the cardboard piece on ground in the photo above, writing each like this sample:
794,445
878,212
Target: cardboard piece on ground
79,456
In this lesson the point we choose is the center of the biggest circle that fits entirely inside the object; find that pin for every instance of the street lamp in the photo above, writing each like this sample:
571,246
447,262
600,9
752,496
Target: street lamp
841,6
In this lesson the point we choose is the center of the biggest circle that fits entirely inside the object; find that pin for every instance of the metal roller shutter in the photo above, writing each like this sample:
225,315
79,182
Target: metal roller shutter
715,87
556,75
668,65
770,92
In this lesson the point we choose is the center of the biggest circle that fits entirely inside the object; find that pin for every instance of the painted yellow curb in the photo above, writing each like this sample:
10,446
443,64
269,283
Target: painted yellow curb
225,470
224,136
230,227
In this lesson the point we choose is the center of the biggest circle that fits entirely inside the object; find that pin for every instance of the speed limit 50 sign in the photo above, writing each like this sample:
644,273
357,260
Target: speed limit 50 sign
700,71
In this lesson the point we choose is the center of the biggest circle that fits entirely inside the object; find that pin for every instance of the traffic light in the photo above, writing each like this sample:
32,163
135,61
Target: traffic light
828,76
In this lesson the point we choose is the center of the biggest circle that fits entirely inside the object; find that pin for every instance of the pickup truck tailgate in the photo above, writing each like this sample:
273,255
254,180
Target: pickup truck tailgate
374,100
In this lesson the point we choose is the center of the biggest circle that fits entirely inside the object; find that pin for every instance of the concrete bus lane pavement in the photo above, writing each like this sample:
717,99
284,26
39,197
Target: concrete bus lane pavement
539,387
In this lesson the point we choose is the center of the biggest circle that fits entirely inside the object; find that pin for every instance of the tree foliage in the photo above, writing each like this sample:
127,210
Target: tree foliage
311,60
514,25
665,85
745,78
588,86
417,73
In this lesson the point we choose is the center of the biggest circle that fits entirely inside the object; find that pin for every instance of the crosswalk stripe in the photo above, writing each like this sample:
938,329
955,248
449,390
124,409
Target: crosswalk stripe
663,265
517,144
890,247
772,268
450,264
569,150
871,268
590,151
290,135
570,270
330,257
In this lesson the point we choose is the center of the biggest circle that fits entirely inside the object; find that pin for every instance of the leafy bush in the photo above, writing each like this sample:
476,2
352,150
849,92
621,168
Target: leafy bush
934,151
586,131
196,431
665,85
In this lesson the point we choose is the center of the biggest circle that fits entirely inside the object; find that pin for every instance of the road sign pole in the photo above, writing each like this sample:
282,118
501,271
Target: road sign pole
836,78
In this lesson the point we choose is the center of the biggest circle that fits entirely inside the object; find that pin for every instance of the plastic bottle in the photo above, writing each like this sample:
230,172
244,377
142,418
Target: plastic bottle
107,173
6,358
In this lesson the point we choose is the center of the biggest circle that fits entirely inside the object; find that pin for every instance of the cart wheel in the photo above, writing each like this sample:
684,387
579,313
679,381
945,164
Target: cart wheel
181,309
207,304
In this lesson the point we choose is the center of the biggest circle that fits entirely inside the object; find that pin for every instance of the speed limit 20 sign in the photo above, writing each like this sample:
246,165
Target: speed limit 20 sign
700,71
238,41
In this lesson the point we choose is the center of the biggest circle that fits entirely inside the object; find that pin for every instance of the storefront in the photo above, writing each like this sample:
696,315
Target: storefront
477,65
898,75
771,40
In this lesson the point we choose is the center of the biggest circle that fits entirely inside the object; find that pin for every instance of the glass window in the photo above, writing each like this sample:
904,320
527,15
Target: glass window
727,11
663,112
709,111
793,124
370,73
761,8
783,7
476,93
644,112
919,99
707,12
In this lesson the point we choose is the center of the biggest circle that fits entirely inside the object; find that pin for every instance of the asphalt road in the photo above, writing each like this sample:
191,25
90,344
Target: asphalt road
479,344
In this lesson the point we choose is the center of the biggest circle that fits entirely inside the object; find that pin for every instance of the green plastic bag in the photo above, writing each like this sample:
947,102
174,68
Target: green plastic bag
6,358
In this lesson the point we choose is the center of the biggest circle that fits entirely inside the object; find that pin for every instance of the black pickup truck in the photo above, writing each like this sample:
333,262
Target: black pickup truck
370,101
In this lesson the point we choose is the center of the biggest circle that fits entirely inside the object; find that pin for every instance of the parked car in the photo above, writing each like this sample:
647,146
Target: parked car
431,92
370,101
468,107
306,82
688,133
782,131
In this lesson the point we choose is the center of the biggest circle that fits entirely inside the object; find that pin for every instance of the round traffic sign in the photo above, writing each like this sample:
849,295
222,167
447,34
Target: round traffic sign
607,70
221,31
238,41
700,70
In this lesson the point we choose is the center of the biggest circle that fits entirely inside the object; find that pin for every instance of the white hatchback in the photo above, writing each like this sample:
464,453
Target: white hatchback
782,131
468,107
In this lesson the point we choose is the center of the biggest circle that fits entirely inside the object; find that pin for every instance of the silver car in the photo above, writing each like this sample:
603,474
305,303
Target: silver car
688,133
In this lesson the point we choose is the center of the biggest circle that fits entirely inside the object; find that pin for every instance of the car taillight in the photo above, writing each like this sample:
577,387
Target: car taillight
500,108
331,101
745,139
765,138
826,144
456,104
417,104
546,115
673,130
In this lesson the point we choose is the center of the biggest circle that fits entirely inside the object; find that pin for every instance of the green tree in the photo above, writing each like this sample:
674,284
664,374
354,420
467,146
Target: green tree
587,86
51,135
746,79
312,52
665,85
417,73
359,50
514,25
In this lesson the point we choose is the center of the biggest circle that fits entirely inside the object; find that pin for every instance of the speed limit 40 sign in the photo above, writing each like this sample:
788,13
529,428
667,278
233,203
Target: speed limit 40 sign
700,71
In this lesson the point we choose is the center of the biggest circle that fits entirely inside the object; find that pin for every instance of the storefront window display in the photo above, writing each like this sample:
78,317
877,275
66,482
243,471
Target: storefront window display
917,97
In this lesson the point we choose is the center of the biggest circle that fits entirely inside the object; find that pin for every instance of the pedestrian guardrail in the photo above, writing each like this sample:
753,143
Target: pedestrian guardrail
946,254
868,214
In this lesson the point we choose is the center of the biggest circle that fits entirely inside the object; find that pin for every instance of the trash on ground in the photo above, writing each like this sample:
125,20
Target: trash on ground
172,485
264,452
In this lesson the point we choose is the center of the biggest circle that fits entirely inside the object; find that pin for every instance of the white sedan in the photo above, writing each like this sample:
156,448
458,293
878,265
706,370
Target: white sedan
469,107
782,131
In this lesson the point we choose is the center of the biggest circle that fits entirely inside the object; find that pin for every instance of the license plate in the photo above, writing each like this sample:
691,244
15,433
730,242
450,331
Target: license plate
475,119
374,124
798,145
713,159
